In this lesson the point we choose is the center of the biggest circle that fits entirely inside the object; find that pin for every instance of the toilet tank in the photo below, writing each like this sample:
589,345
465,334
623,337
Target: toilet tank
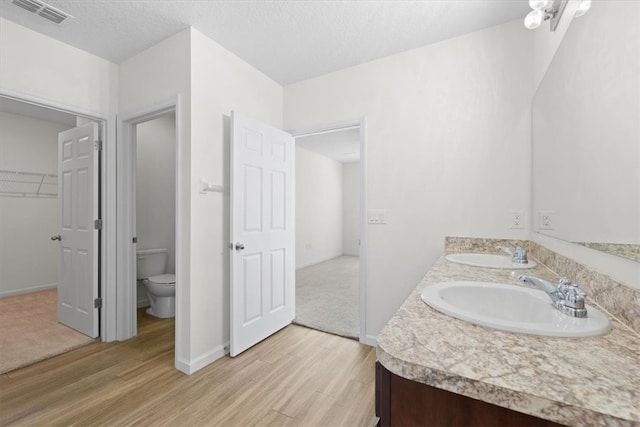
151,262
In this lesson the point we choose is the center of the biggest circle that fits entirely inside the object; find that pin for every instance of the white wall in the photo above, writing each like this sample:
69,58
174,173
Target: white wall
319,208
221,82
38,65
156,189
29,259
448,148
351,208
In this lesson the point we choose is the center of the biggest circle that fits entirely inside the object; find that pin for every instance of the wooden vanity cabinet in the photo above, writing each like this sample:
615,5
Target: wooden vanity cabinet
402,402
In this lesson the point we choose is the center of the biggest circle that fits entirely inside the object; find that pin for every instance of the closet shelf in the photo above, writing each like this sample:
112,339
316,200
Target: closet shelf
28,184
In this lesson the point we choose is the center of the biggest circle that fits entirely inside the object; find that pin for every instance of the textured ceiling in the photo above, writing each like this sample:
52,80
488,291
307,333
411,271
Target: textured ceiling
289,41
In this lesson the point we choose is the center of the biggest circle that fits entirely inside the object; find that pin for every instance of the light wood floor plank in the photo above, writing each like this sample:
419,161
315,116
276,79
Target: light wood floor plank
297,377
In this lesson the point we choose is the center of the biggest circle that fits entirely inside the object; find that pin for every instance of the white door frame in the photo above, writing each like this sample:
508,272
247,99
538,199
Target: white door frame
127,304
108,317
362,277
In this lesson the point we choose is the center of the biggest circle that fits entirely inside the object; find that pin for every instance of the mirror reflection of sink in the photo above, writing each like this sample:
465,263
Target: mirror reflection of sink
511,308
489,261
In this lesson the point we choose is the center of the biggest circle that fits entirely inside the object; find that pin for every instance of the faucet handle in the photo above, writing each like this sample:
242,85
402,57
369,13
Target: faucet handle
571,293
579,290
574,299
564,281
520,256
563,284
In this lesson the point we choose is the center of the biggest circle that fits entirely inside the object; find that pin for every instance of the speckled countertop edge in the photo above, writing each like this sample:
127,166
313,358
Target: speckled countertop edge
585,381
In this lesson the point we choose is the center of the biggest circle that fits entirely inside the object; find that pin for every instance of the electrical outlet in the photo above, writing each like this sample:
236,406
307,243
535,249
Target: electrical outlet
517,219
545,220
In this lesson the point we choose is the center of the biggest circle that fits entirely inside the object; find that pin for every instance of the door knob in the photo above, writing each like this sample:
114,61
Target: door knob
58,237
239,246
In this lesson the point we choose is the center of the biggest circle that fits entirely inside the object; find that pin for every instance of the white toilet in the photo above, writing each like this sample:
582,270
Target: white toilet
161,287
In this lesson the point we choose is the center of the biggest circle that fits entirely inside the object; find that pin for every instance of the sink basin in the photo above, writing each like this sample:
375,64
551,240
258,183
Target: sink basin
511,308
489,260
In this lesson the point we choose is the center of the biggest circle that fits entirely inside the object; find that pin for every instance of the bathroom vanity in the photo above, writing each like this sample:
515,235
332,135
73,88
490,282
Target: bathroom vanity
403,402
434,369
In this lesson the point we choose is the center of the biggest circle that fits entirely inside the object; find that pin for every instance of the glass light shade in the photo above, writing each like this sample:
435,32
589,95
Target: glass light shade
583,8
534,19
539,4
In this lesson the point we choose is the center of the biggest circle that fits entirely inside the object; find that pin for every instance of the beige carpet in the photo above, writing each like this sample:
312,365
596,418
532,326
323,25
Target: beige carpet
30,330
327,296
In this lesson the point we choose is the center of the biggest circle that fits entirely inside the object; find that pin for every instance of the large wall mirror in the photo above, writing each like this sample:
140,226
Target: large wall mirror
586,134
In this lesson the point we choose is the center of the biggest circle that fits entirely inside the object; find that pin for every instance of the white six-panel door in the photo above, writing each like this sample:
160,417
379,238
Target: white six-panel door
262,231
78,208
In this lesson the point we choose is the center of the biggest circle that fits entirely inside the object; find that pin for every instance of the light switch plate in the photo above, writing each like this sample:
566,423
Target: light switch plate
376,216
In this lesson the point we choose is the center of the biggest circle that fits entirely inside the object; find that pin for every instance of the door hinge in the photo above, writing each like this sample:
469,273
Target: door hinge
97,145
97,303
97,224
134,240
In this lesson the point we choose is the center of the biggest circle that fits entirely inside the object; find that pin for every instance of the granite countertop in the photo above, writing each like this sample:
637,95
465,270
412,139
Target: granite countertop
591,381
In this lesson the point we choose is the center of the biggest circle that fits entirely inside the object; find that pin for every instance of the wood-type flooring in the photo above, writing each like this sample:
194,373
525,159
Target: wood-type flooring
297,377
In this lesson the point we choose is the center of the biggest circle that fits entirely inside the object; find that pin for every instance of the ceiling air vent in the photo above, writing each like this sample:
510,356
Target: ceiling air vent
46,11
30,5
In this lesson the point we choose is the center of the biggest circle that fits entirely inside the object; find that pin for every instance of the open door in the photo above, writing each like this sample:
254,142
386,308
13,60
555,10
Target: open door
78,154
262,231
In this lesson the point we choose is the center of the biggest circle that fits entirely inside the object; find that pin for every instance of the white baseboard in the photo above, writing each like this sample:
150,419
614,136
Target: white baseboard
144,303
371,340
189,367
28,290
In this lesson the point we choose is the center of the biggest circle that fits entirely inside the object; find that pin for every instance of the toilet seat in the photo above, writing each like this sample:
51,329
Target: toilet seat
163,279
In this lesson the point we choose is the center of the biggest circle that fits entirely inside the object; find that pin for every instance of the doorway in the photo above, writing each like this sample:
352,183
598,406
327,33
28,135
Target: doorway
155,206
30,258
330,251
148,213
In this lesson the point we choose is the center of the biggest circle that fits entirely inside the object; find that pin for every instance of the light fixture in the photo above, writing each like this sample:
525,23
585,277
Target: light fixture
545,10
583,8
539,4
534,19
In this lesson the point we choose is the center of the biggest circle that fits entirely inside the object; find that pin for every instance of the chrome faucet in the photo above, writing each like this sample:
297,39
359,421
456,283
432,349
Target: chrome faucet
567,297
519,255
